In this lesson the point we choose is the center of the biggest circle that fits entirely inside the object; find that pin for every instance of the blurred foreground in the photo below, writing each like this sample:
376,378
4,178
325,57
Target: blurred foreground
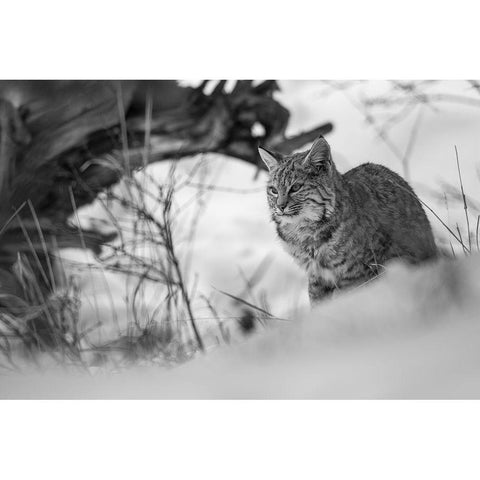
414,333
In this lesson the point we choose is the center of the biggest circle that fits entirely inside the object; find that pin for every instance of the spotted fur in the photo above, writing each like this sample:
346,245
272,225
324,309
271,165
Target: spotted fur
343,228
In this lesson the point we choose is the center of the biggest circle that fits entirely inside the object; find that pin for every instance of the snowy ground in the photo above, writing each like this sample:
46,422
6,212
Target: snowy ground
413,334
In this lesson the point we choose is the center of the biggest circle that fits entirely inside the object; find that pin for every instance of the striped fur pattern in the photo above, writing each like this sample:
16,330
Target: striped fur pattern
343,228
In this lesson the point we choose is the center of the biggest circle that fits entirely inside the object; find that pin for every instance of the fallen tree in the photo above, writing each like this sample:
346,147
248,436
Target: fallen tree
52,133
63,142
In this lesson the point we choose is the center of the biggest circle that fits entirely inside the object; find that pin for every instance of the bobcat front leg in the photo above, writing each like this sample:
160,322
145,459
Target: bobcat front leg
318,290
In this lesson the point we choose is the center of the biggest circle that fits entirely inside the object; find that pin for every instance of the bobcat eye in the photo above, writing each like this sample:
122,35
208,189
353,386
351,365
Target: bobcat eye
273,190
296,187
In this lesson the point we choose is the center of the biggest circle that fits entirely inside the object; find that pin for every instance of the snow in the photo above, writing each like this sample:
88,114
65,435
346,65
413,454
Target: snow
414,333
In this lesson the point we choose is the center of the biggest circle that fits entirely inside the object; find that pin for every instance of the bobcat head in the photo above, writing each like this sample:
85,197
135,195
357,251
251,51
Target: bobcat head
301,185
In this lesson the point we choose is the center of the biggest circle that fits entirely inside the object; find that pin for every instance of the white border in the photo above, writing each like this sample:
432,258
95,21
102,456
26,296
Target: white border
304,39
240,440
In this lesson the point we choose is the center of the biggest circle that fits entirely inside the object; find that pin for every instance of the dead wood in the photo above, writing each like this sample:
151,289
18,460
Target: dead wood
53,133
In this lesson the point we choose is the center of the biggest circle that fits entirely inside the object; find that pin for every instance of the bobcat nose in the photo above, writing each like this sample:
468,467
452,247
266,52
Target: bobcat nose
281,207
281,204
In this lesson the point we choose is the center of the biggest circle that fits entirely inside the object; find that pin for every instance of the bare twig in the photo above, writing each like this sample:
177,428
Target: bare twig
464,201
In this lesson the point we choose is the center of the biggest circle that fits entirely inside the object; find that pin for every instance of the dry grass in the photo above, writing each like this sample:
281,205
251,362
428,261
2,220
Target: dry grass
44,321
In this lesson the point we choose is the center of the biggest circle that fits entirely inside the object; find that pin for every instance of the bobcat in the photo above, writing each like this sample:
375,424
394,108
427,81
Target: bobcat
343,228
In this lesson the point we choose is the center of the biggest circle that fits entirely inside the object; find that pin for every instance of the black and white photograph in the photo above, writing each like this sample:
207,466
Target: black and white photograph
239,240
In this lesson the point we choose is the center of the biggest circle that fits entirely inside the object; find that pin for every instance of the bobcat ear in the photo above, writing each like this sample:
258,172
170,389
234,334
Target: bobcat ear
319,154
268,158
